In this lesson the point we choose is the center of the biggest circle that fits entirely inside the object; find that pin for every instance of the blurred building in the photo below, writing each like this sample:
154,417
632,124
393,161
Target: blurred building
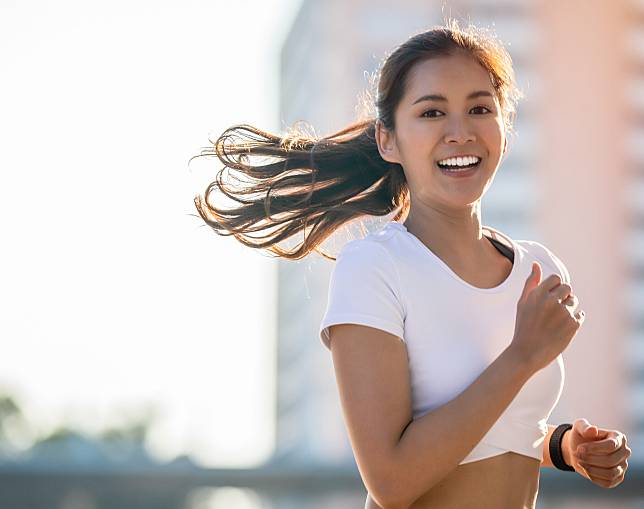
633,247
569,181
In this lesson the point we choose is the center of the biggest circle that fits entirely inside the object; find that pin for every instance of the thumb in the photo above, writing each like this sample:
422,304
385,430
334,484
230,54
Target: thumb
534,279
584,427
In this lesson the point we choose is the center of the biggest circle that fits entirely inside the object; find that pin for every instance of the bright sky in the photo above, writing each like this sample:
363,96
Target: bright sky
113,296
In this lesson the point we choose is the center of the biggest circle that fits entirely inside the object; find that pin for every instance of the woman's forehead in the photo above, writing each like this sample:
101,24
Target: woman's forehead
449,76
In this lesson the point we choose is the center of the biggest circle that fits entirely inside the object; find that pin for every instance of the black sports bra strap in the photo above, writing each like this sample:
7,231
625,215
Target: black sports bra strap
502,248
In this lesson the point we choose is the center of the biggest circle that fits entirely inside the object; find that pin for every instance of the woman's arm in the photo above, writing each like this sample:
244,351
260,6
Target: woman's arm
565,448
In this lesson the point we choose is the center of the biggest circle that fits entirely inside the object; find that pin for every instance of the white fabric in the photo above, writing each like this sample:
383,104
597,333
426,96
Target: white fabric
452,330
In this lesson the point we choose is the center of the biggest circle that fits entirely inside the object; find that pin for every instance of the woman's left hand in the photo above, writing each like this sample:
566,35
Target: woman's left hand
598,454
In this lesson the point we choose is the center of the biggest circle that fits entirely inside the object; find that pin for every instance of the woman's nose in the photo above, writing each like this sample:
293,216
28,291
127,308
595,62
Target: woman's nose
460,132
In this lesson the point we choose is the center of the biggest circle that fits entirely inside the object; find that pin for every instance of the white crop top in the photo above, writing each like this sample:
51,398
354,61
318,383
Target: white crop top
452,330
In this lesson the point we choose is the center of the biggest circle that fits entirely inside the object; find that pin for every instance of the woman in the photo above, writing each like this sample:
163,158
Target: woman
446,335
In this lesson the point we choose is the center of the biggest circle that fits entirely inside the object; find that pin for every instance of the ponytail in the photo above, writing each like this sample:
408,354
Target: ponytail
314,186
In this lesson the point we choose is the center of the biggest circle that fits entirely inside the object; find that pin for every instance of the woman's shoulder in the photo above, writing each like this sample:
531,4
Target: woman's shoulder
365,250
374,244
545,255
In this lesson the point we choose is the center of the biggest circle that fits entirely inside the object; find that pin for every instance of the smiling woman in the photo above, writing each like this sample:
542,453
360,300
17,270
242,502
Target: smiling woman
315,185
445,405
465,134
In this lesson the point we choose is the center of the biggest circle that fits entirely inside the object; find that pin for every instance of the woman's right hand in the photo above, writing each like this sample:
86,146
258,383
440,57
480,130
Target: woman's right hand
546,319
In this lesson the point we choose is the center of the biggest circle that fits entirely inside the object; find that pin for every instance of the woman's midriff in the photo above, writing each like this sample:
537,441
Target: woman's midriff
505,481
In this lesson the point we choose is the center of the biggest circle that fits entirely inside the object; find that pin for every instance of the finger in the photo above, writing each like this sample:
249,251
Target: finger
605,474
571,301
581,470
605,460
603,446
604,433
591,431
571,298
593,471
606,484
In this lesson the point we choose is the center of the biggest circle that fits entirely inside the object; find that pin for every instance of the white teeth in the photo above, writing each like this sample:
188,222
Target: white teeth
460,161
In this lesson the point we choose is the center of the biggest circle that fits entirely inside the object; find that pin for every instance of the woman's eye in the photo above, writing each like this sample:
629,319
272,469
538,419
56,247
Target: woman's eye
429,111
434,116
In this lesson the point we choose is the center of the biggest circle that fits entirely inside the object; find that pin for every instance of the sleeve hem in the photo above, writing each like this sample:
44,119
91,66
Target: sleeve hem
370,321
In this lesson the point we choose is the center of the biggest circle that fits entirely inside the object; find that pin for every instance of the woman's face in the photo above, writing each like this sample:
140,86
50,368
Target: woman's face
432,129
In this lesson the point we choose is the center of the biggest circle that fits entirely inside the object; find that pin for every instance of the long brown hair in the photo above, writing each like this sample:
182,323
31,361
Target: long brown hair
317,184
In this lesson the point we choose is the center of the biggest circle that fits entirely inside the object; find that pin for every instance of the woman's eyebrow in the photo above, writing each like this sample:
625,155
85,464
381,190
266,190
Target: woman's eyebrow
438,97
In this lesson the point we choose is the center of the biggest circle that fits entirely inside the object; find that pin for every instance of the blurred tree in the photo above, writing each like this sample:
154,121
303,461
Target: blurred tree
14,429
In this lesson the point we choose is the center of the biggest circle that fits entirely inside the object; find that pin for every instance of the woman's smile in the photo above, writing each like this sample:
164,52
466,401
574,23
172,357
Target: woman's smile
460,173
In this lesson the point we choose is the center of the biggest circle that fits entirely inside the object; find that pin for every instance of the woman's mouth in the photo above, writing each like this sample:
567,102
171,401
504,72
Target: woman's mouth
460,171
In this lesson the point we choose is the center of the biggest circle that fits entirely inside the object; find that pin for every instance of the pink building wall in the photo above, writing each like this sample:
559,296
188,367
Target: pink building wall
582,174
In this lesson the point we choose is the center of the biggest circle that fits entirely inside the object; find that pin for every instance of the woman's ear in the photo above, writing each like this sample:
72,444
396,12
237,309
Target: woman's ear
386,143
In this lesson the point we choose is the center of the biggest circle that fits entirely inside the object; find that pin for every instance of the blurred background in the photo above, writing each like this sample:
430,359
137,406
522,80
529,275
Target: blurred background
146,362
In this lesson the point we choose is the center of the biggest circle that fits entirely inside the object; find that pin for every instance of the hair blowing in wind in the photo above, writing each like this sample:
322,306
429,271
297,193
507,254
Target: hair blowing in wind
315,185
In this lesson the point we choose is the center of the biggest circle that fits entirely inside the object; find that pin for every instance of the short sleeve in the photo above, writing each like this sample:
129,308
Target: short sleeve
363,289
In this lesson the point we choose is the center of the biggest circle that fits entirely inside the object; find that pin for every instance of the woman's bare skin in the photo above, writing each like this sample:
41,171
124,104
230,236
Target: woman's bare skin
499,268
506,481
